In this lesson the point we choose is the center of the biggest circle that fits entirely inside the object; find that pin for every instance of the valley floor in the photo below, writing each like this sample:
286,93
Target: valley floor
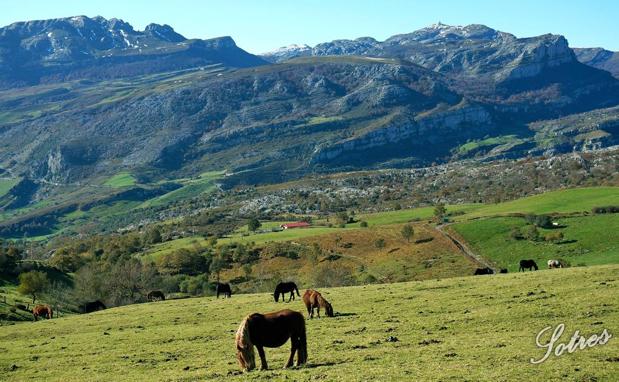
472,328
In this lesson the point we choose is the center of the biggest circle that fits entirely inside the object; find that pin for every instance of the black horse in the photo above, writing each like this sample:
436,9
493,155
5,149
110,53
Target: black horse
483,271
283,288
93,306
527,264
223,288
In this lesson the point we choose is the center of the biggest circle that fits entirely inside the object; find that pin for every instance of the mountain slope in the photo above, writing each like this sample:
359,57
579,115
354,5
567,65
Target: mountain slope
476,88
95,48
599,58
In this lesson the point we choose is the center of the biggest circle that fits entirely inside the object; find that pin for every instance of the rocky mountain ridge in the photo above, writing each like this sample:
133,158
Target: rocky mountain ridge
80,47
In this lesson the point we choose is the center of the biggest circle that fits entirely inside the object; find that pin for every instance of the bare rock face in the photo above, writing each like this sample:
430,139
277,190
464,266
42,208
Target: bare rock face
543,53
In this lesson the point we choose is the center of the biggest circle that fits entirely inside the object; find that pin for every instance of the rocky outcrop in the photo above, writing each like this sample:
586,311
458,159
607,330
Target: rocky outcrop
415,133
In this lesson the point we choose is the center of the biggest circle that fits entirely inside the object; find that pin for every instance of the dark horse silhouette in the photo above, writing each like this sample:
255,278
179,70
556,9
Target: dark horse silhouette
483,271
314,299
223,288
271,330
155,295
92,306
286,287
42,311
527,264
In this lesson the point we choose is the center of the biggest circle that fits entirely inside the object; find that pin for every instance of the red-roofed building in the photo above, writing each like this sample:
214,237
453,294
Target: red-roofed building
295,225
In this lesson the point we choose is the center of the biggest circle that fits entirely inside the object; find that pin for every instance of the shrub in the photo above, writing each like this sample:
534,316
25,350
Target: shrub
516,234
542,221
363,224
554,237
380,243
332,275
531,233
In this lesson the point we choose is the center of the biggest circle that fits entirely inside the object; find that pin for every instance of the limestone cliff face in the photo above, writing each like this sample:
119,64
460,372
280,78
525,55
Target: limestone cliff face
414,132
546,52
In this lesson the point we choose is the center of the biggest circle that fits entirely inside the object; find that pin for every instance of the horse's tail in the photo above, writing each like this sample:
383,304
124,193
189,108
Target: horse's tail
302,352
244,346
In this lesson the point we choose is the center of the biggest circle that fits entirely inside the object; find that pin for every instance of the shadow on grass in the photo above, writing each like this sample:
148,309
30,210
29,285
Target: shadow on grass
338,314
567,242
322,364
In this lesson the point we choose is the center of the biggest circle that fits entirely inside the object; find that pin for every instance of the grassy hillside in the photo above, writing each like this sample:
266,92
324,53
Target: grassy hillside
562,201
473,328
351,256
123,179
588,240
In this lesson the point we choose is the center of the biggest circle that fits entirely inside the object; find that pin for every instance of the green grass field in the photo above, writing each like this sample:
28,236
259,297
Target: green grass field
472,328
493,236
494,141
191,187
122,179
562,201
6,184
588,240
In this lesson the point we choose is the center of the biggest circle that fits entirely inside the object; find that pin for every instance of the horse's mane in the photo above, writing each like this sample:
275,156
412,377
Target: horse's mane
244,346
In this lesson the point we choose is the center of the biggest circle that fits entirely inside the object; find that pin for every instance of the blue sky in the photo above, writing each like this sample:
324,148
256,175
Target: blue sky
263,25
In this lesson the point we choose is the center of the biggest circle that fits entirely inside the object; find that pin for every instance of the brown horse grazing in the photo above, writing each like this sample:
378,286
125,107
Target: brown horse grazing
271,330
313,299
42,311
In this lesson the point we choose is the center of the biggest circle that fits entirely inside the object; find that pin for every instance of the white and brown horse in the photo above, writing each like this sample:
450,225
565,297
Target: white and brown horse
271,330
554,264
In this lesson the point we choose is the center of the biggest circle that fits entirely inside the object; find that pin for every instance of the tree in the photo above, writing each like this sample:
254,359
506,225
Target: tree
408,232
32,283
253,224
380,243
182,261
153,236
217,265
440,211
66,260
342,217
8,259
247,271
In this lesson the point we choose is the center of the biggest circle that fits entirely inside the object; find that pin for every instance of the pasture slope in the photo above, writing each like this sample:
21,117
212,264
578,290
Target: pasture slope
456,329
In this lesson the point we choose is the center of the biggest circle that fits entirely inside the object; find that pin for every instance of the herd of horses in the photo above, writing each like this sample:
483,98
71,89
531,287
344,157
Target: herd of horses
272,330
524,266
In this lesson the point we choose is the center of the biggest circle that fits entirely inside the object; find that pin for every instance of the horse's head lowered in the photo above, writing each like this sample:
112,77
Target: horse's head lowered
328,309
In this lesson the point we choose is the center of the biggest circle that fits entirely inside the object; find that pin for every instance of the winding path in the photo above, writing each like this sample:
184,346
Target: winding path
464,248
